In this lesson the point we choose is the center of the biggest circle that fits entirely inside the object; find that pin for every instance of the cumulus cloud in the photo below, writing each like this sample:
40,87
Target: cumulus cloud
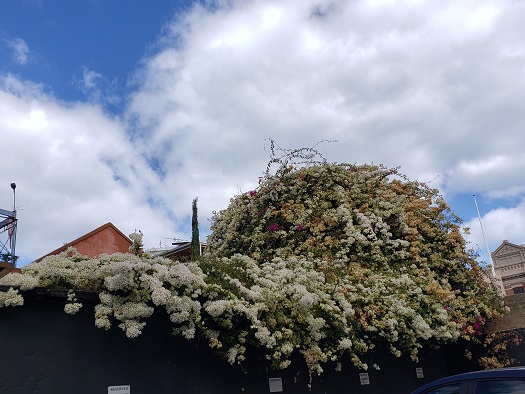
20,50
75,170
495,226
433,87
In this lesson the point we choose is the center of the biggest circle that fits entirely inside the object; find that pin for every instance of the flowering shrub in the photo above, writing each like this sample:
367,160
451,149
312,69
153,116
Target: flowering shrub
389,251
325,260
11,298
137,246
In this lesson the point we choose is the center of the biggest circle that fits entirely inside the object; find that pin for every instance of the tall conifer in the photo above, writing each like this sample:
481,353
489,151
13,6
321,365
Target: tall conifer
195,242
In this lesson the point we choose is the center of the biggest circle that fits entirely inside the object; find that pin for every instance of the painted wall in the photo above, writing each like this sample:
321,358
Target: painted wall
104,241
45,350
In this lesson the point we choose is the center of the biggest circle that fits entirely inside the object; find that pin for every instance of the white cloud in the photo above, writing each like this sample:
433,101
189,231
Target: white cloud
90,78
434,87
402,83
497,176
74,169
20,50
97,88
499,224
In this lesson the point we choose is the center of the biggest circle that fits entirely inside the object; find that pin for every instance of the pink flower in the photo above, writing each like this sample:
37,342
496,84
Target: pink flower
299,228
262,212
252,193
273,227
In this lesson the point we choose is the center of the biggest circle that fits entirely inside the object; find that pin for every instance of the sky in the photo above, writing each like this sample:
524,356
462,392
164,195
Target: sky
124,112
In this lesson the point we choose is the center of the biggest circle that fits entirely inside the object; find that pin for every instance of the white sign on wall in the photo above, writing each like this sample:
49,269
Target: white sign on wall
276,385
419,373
364,378
119,389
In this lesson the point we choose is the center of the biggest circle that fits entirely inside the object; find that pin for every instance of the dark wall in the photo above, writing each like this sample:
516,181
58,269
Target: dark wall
44,350
516,317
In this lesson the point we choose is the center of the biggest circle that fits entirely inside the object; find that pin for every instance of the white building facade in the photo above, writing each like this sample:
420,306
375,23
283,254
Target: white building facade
509,264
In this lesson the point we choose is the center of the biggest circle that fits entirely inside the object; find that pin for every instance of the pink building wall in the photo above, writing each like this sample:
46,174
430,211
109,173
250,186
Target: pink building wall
105,239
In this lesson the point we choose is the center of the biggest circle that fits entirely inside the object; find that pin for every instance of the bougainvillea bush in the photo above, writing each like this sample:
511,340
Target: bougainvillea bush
325,260
388,251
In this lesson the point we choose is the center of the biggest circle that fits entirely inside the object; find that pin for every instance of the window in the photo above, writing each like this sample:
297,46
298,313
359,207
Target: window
518,290
449,389
500,387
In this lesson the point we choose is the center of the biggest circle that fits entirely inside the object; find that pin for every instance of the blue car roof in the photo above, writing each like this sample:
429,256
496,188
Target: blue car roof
511,372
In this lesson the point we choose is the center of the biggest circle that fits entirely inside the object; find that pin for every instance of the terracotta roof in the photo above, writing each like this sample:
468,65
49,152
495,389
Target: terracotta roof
82,238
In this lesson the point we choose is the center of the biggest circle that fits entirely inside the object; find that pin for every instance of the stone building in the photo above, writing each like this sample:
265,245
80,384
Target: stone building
509,264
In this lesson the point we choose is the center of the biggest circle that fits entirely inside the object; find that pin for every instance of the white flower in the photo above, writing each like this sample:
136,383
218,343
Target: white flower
132,328
10,298
345,343
103,323
160,296
26,282
72,308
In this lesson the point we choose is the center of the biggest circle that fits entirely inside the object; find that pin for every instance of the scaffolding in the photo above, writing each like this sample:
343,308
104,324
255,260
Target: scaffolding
8,224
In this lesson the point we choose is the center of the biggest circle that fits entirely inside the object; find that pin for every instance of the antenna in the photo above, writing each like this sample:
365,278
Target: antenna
177,241
485,238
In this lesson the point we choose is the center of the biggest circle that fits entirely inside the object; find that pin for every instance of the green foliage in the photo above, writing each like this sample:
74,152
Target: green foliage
8,258
195,241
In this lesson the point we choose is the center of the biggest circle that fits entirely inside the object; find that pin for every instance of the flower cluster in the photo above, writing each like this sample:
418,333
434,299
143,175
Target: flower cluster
391,248
72,306
11,298
325,260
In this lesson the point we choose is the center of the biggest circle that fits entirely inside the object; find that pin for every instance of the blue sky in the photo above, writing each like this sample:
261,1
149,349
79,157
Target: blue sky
64,40
126,111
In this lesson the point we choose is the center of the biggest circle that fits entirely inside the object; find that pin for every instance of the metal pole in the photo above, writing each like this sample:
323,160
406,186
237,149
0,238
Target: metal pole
13,235
13,186
485,239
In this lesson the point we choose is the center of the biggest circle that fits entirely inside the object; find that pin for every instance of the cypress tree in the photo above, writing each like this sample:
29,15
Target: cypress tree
195,242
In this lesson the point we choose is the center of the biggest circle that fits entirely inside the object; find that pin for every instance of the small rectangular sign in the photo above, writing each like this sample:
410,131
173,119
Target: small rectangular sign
119,389
276,385
419,373
364,378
